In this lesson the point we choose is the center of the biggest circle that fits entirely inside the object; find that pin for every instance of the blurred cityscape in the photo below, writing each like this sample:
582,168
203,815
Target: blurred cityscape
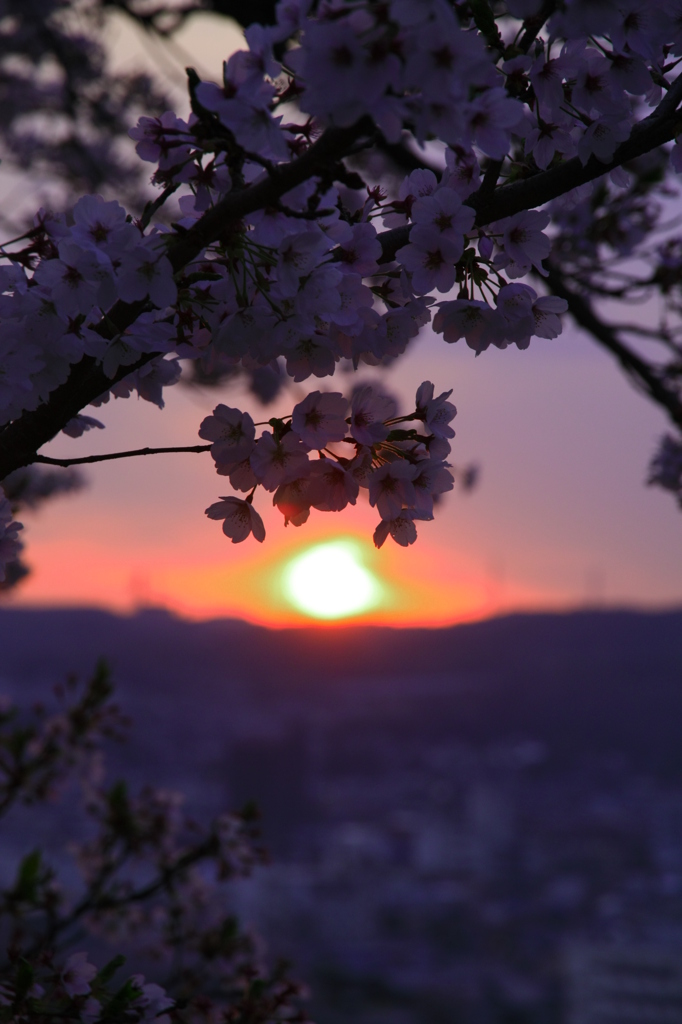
480,825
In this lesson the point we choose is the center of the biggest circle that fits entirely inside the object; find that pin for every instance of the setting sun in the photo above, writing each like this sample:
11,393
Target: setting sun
328,581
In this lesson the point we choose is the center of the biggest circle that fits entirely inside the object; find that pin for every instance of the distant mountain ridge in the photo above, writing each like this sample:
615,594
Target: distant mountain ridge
345,649
594,678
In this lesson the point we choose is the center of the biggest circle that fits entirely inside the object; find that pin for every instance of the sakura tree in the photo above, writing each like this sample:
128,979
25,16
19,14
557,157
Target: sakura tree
533,145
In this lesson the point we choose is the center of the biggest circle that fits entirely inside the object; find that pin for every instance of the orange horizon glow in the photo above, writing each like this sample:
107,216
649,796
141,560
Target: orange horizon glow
422,586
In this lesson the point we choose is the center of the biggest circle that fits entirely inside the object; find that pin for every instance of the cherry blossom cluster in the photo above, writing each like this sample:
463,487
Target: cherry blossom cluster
332,270
437,258
76,991
52,306
429,68
361,443
440,74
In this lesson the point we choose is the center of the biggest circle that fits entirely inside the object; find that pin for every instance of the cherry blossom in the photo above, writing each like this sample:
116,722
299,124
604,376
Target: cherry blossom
391,487
547,311
312,354
298,254
515,303
239,519
319,419
292,499
360,253
158,137
602,137
437,413
472,320
147,273
369,411
332,486
431,257
78,974
444,212
103,226
547,77
490,118
434,478
401,528
232,433
76,281
464,173
523,243
550,138
152,1000
279,461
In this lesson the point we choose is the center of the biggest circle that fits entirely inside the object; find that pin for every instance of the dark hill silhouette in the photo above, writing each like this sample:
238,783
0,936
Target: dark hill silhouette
587,679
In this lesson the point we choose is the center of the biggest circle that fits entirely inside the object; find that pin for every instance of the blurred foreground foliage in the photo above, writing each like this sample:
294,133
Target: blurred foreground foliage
140,879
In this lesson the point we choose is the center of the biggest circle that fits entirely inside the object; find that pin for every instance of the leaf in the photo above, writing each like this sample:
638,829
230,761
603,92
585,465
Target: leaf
120,1002
28,877
121,817
250,812
24,981
109,970
101,686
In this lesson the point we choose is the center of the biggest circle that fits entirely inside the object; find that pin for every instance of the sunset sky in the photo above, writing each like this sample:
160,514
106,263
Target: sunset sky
561,517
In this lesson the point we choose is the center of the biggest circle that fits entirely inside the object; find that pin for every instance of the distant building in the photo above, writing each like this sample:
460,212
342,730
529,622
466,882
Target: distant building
628,984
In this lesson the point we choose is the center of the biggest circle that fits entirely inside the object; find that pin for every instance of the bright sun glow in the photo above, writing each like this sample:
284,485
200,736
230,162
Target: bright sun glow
329,581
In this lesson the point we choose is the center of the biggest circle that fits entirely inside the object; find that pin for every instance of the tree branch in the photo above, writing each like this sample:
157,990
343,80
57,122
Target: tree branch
532,25
640,372
330,147
659,127
87,459
20,440
94,900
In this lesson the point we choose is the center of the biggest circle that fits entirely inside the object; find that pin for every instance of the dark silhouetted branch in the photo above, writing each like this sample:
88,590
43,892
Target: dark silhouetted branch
642,374
87,459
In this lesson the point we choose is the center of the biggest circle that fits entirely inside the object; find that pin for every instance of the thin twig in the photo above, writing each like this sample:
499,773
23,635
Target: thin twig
120,455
